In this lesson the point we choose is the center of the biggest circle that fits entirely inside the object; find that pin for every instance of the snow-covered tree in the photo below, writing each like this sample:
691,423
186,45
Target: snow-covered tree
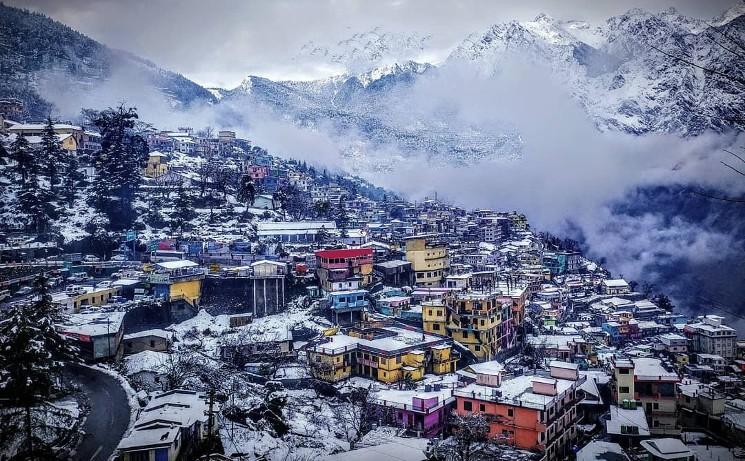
32,353
50,155
353,415
183,209
119,164
23,156
246,190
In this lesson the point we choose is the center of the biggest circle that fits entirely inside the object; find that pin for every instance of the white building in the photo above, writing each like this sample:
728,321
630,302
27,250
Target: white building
711,336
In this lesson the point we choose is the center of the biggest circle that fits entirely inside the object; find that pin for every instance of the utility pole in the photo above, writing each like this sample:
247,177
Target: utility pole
210,419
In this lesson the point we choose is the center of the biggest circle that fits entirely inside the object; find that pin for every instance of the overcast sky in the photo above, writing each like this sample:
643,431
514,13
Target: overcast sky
218,43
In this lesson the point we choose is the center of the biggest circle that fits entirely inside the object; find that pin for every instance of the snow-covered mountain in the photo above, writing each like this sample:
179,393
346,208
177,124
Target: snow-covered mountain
624,72
612,69
40,56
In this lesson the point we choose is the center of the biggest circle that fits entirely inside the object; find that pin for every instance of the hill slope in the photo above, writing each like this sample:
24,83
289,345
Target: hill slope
36,52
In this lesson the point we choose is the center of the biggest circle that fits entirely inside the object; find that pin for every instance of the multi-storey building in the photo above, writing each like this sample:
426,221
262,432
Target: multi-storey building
388,354
531,412
340,265
711,336
648,382
429,259
480,321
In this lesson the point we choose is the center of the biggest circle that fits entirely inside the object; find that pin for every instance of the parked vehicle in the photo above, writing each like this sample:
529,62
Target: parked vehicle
104,284
91,259
78,277
118,258
74,290
24,291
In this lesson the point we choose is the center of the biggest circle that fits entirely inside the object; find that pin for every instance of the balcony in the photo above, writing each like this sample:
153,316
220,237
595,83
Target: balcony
350,305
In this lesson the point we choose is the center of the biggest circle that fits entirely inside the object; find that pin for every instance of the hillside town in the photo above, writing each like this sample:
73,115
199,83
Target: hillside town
252,307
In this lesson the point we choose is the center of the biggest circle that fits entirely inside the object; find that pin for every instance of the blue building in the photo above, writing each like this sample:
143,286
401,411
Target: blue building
347,307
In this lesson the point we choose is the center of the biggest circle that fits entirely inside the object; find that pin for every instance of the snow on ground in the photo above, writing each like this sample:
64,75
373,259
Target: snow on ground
206,330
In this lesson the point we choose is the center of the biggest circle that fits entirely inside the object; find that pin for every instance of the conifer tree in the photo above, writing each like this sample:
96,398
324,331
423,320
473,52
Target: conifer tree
247,190
50,155
23,155
32,353
72,177
183,209
119,164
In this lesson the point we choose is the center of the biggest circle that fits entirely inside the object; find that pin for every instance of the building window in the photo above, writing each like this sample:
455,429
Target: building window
482,408
623,390
623,371
468,406
436,326
510,412
398,359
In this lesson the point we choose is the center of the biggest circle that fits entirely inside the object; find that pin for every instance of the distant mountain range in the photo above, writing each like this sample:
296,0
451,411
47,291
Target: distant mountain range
612,70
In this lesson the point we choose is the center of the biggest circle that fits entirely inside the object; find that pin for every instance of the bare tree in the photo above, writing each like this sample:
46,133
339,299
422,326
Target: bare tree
471,442
352,414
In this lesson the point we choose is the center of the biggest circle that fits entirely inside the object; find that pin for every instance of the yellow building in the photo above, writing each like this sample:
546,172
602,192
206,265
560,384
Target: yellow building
434,317
480,321
178,281
387,354
429,260
157,165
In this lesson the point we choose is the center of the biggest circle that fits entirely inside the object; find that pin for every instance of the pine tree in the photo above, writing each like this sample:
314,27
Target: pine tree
50,155
342,220
32,353
72,177
23,156
247,190
183,209
118,165
36,201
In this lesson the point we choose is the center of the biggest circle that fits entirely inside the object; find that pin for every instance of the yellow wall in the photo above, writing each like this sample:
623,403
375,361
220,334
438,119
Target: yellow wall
189,289
70,144
425,259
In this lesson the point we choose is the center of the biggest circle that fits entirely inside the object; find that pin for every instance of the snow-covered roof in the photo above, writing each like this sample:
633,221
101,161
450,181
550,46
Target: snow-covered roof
616,283
517,391
96,324
410,449
627,417
487,368
651,369
599,450
667,448
144,361
154,332
401,340
180,264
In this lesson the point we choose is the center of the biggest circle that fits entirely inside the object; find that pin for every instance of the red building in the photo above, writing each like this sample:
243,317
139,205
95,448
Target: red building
345,269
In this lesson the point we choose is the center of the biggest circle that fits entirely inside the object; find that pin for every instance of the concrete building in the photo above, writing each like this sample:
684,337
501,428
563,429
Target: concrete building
480,321
531,412
340,265
711,336
170,427
651,384
388,354
429,260
98,335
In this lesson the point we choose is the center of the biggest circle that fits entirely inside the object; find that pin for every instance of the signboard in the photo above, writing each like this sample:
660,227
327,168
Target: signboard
131,235
80,337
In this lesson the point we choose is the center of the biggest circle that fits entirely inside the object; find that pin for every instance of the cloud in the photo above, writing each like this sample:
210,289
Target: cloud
220,43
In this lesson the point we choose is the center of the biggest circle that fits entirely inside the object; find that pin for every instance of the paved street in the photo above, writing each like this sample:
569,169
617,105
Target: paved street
109,414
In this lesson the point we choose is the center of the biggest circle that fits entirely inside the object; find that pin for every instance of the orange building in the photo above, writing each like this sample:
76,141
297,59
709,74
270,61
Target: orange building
532,412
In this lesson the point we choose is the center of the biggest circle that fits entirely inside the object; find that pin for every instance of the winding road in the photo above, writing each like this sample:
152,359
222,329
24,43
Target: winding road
109,414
